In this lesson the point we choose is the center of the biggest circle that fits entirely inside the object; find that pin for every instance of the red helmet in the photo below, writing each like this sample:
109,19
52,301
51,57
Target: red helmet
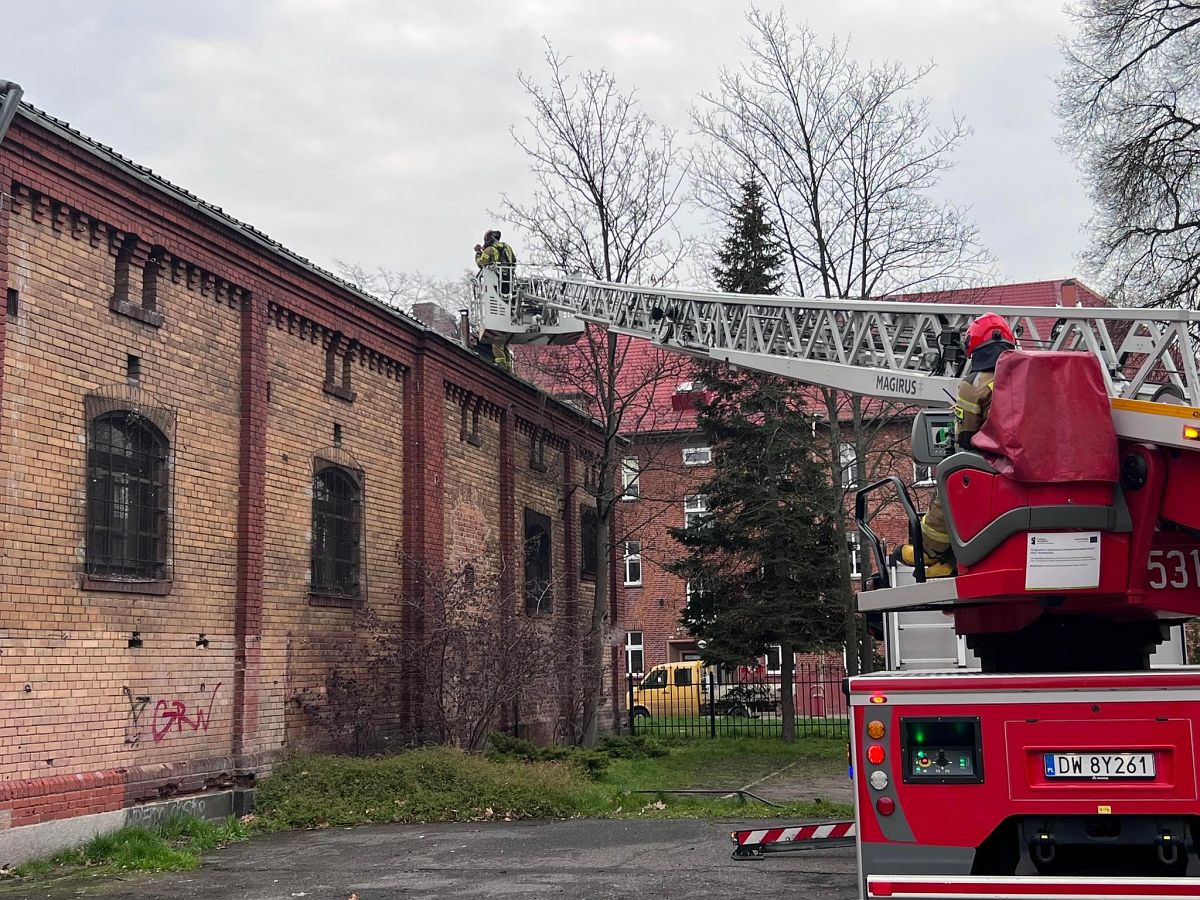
988,327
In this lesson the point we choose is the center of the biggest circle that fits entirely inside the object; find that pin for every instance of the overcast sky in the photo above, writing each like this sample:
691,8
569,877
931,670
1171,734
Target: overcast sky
376,131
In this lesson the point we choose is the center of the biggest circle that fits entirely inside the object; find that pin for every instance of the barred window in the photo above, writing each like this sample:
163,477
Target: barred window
128,498
588,524
336,532
538,598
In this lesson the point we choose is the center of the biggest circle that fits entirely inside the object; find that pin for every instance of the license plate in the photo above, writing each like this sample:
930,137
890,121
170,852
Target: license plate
1098,766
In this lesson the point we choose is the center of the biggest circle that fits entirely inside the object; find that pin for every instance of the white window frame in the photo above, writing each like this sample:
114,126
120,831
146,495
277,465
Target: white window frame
778,670
926,479
847,466
694,505
697,456
631,647
631,478
633,554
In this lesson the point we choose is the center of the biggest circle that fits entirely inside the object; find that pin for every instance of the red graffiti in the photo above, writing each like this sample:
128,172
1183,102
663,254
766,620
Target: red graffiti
174,714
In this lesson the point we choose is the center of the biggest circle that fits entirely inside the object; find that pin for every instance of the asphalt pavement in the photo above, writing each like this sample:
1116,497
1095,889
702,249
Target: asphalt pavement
679,859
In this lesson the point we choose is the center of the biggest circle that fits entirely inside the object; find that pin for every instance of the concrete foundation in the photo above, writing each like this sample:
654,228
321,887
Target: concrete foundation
47,838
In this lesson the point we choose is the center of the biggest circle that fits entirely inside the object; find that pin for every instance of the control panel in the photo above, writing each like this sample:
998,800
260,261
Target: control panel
932,436
942,750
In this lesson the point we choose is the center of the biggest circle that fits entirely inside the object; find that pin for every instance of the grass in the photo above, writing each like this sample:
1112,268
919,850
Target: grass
174,844
732,763
514,781
443,785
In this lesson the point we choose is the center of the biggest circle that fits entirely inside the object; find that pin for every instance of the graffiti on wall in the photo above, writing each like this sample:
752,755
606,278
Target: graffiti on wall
171,715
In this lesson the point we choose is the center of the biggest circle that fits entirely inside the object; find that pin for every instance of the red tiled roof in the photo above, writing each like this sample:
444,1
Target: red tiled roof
653,402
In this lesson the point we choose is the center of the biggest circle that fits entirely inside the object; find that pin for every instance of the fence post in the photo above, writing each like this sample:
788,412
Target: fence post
632,717
712,705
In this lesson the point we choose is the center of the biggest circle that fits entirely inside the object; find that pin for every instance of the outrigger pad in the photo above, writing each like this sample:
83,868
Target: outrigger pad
1050,419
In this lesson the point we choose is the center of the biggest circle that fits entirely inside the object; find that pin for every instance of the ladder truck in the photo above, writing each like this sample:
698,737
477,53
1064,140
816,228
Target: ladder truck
1066,767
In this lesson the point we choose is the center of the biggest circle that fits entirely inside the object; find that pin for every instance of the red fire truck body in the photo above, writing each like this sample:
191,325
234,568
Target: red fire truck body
978,780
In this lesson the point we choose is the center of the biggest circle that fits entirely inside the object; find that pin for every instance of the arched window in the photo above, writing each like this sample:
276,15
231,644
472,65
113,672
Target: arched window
128,498
336,532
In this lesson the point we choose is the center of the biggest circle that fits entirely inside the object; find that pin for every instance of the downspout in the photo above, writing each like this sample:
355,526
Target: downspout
12,101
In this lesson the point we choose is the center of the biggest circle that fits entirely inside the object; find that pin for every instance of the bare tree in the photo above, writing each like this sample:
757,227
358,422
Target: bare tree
608,179
847,157
402,290
472,665
608,188
1130,103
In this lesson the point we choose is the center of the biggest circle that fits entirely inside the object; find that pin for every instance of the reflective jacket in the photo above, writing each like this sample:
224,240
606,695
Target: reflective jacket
497,253
972,405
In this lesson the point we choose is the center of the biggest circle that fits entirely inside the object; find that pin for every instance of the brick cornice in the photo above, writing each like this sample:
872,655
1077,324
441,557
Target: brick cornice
536,431
122,244
472,401
304,328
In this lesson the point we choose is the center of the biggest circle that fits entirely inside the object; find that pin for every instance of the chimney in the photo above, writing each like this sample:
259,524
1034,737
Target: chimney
464,326
1069,292
433,315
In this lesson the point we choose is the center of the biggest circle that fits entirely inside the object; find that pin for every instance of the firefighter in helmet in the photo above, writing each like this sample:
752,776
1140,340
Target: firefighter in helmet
493,253
987,338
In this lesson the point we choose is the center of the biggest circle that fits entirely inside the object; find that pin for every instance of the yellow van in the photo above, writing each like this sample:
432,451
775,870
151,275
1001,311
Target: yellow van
680,690
671,690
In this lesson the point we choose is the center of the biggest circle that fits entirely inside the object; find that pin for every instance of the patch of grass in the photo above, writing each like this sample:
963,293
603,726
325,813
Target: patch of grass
593,762
174,844
434,784
728,763
518,780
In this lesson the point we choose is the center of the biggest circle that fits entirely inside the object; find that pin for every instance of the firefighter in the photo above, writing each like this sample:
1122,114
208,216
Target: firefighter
494,253
987,338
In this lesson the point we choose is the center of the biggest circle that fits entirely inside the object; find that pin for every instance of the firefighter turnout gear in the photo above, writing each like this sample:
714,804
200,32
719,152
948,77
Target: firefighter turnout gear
936,566
494,252
987,338
971,407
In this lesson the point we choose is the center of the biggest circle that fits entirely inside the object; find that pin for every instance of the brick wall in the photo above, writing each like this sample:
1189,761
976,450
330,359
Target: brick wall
247,360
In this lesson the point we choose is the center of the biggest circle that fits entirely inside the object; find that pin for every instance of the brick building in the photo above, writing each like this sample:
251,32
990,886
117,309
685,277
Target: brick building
226,477
668,459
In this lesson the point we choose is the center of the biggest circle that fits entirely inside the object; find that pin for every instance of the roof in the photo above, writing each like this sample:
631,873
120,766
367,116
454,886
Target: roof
147,176
657,405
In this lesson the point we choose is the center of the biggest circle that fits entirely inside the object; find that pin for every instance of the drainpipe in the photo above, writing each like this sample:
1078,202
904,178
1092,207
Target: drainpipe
8,110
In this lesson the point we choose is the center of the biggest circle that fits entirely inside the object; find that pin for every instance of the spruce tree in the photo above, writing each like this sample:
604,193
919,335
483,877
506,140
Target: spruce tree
763,561
750,259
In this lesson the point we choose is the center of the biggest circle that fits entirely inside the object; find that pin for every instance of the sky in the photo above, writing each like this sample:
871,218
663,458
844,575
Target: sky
377,131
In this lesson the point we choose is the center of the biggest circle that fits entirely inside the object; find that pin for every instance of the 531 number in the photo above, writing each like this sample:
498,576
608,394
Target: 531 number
1174,568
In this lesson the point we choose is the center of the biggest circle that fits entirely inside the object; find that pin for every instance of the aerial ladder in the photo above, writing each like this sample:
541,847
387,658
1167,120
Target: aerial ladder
1066,767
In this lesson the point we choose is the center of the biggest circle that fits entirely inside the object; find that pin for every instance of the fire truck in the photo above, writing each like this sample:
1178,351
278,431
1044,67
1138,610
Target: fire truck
1065,767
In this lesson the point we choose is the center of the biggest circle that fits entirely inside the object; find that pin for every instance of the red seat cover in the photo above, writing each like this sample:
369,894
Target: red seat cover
1050,419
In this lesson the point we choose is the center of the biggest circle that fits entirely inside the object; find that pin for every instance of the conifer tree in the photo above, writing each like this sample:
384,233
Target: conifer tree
751,260
763,561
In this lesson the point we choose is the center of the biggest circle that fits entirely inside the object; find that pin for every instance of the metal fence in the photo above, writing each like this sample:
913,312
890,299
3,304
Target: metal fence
695,702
